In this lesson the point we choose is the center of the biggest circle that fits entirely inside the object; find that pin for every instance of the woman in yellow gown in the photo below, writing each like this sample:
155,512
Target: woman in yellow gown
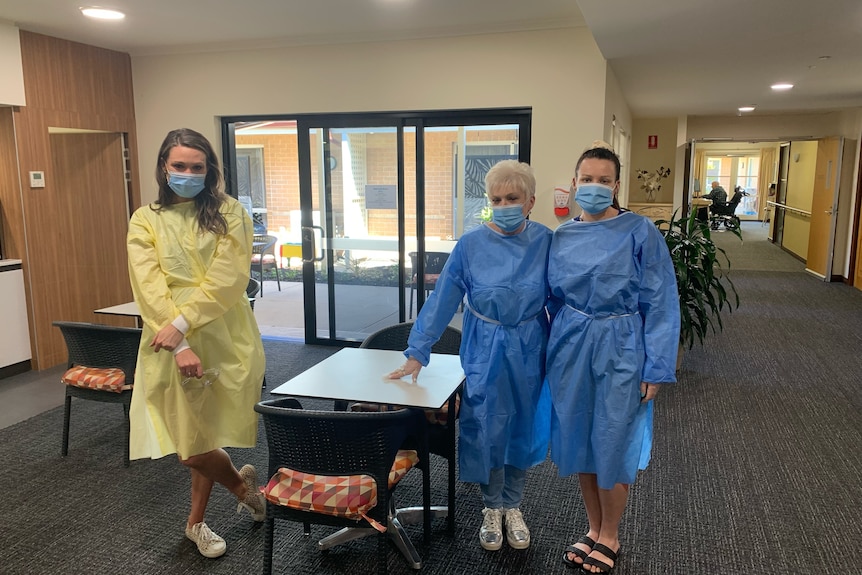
201,360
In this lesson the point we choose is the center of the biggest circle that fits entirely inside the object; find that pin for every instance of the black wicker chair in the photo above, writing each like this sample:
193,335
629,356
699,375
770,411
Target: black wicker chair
252,290
433,266
332,443
263,255
100,347
442,437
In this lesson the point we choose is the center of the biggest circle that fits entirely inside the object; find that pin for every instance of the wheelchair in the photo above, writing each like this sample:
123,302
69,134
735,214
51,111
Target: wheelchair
724,213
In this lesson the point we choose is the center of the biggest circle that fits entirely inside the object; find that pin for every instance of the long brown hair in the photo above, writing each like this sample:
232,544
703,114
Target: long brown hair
208,202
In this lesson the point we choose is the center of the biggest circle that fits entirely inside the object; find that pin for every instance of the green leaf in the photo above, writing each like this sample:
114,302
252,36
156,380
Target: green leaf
704,286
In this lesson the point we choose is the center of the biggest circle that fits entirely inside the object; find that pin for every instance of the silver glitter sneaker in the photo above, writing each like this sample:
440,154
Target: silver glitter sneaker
491,532
254,501
209,544
517,533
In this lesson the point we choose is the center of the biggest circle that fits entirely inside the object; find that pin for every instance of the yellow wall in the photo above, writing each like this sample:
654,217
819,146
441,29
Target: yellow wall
800,187
643,158
542,69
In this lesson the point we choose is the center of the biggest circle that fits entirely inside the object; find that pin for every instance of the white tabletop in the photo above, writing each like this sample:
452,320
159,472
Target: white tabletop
358,374
130,308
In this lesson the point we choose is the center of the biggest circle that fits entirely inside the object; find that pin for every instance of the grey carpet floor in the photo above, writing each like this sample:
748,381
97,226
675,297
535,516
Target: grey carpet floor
756,467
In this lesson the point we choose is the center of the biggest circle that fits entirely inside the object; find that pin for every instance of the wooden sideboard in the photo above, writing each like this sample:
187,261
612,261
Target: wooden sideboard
654,211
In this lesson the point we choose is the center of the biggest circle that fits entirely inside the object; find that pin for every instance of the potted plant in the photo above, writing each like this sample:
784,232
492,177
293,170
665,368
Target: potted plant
705,288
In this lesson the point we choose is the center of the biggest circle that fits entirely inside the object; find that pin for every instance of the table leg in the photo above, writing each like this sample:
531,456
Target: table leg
395,530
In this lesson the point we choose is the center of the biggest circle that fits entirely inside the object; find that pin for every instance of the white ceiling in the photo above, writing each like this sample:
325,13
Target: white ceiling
671,57
708,57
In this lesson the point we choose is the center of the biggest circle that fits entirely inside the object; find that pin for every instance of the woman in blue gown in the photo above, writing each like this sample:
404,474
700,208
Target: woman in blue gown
614,340
501,267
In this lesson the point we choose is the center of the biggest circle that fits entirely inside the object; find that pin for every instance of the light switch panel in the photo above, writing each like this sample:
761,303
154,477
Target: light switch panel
37,179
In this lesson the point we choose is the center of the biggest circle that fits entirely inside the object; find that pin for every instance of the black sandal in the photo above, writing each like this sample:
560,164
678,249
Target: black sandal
585,540
606,551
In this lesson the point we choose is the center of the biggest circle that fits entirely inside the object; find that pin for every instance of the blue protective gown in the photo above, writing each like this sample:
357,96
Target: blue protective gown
615,323
504,417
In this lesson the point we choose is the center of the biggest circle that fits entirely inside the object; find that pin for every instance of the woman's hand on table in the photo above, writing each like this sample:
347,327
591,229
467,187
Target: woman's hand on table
410,367
168,338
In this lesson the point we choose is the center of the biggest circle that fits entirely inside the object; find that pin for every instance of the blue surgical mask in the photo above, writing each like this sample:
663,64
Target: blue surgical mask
594,198
508,218
186,185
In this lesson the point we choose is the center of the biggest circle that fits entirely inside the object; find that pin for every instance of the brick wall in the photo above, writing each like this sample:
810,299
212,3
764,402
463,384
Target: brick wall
281,168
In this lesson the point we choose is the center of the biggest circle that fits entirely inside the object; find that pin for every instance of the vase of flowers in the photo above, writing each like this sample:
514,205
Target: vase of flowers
651,181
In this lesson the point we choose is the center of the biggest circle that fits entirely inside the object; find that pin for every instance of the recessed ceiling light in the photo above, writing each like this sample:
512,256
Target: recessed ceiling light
101,13
782,86
746,108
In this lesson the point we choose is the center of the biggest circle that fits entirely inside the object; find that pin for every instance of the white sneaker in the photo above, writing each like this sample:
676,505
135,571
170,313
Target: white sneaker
491,532
254,501
517,533
209,544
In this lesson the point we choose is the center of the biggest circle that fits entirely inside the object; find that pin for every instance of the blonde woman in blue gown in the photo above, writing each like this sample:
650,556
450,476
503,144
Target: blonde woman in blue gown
501,268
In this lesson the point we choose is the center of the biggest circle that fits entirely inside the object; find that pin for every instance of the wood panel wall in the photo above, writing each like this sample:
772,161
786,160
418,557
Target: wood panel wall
72,86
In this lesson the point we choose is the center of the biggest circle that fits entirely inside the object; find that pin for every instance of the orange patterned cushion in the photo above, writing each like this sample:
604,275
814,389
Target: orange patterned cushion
103,379
348,496
433,416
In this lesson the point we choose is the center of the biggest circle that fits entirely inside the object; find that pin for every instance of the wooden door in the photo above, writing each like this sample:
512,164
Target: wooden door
80,253
824,200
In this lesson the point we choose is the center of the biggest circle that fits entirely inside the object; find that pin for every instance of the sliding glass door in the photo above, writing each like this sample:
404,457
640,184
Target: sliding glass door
366,197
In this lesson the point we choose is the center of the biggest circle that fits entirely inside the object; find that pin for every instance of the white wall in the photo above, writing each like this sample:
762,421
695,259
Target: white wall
11,67
784,127
542,69
616,108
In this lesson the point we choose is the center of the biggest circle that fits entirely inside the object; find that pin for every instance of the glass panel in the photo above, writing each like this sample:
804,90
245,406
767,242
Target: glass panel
357,281
718,170
267,181
458,187
357,184
747,172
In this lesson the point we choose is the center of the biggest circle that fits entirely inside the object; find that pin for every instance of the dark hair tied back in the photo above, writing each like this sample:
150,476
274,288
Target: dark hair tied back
599,150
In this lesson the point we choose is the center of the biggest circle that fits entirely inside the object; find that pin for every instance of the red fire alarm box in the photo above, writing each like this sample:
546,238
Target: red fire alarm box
652,141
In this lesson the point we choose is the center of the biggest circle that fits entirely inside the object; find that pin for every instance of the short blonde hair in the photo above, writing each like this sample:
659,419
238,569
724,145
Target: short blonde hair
518,175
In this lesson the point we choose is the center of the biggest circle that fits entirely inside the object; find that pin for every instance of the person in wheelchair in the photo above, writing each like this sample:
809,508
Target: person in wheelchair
725,212
716,194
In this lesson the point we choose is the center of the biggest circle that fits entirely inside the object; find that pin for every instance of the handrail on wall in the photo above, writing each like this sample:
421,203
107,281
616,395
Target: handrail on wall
789,209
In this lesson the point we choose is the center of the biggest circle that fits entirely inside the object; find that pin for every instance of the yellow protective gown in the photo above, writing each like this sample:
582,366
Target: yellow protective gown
175,269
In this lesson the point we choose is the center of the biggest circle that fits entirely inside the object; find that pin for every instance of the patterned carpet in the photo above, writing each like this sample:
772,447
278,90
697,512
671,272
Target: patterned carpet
756,467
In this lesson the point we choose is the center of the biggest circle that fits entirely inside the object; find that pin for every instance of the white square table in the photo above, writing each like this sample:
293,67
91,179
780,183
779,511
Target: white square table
359,374
129,309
